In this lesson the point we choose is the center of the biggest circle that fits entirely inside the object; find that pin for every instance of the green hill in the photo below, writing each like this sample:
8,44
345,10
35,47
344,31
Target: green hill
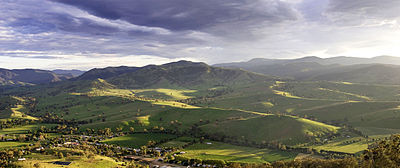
377,70
184,74
280,128
105,73
229,105
375,73
28,77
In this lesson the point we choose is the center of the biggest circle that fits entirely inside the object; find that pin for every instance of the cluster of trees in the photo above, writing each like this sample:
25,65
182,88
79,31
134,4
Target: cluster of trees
190,161
11,123
210,95
55,119
8,156
385,154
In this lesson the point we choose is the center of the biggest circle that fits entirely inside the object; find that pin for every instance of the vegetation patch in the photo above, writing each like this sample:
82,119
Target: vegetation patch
41,160
139,139
210,150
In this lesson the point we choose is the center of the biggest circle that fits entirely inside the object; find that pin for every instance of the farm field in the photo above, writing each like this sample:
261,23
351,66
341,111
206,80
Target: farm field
288,113
285,129
178,142
23,129
232,153
139,139
352,145
12,144
76,161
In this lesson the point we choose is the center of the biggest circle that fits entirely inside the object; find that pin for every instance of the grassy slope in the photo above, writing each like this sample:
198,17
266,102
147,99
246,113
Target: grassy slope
169,94
344,91
119,109
12,107
138,140
359,114
286,129
23,129
178,142
77,161
254,96
353,144
232,153
12,144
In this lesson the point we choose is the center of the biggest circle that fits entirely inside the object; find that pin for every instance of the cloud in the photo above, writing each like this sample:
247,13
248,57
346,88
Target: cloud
179,15
363,12
65,32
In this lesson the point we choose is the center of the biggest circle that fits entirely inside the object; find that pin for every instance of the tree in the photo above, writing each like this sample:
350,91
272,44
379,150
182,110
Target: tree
107,132
60,155
36,165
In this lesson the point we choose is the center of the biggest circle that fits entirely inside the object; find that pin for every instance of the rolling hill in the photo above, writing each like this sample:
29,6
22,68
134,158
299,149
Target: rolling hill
28,77
371,73
222,104
377,70
72,73
290,130
340,60
184,74
105,73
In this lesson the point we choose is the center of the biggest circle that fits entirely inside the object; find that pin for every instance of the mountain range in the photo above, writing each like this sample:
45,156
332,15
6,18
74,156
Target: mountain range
382,69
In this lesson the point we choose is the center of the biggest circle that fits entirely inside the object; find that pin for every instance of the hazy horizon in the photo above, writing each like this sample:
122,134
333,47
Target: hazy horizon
160,63
86,34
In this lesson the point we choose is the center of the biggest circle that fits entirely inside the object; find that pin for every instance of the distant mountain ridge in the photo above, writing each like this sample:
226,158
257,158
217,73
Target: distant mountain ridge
72,72
171,75
381,70
185,74
28,77
105,73
341,60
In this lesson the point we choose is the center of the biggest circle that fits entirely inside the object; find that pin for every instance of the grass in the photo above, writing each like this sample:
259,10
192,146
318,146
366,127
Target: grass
185,118
349,145
342,91
346,93
173,144
347,148
373,109
130,94
16,113
23,129
172,94
232,153
12,144
358,114
138,140
76,161
286,129
13,108
268,104
178,142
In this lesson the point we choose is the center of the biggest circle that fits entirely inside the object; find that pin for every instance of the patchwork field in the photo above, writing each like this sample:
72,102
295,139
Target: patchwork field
137,140
178,142
12,144
232,153
45,161
289,130
291,113
23,129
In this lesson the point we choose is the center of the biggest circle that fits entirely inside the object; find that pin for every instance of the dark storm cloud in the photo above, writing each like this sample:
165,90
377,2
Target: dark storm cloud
179,15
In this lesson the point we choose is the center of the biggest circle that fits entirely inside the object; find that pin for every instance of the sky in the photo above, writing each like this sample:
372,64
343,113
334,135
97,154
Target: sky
85,34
